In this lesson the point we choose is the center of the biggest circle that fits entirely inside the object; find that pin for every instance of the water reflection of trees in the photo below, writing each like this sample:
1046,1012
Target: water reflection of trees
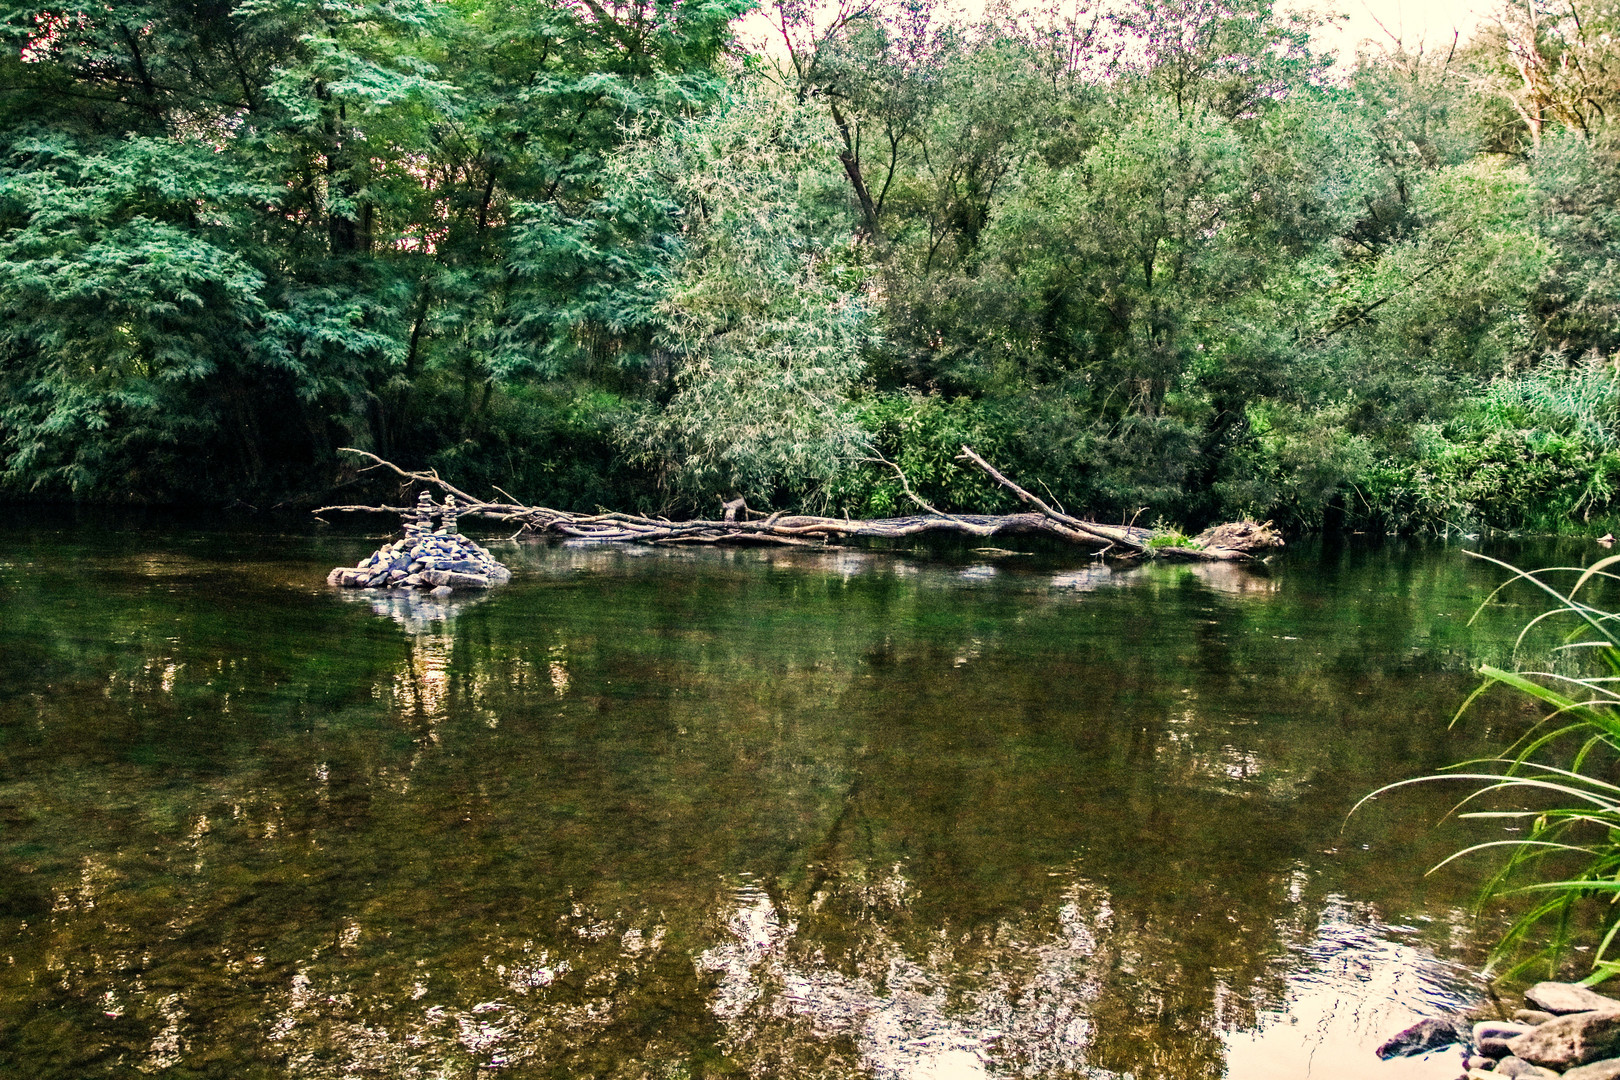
778,818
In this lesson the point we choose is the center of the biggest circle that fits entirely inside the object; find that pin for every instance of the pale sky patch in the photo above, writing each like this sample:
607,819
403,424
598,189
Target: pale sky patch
1371,25
1379,24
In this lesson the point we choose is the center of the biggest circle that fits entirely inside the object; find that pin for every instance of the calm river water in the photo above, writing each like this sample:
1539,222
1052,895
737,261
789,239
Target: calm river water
754,814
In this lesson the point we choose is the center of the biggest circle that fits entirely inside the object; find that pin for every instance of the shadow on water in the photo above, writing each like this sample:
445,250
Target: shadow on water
708,813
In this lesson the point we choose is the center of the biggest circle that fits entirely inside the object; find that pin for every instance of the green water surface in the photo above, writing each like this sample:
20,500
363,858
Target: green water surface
731,813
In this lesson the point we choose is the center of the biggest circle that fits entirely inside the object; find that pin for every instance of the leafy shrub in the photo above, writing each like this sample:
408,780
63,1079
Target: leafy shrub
923,434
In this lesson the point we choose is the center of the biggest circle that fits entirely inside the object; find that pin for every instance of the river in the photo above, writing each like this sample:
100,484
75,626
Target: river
911,814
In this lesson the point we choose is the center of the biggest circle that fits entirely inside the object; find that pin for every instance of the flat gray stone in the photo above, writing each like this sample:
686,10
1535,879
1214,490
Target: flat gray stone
1570,1040
1532,1016
455,580
1598,1070
442,591
1561,999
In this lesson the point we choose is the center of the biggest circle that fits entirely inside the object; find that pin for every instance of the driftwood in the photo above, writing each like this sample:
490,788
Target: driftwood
1225,543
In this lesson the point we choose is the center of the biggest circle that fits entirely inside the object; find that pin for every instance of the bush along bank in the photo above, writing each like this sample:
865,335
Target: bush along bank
1196,272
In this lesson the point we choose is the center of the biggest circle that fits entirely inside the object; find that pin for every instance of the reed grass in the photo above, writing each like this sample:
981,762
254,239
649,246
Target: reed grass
1551,783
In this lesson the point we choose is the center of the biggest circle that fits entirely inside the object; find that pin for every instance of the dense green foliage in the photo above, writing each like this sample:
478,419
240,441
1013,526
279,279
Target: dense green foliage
1158,260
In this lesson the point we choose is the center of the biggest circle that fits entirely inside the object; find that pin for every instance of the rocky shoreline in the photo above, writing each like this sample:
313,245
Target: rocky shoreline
1563,1030
440,560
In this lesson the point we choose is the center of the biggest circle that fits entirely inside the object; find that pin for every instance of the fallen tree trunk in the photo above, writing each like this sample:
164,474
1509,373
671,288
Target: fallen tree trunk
1225,543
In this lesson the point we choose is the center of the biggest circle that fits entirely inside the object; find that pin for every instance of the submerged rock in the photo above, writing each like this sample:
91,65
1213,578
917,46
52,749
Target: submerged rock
1422,1037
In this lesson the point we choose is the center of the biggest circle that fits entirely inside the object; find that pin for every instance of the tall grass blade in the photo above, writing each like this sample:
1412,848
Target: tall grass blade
1552,780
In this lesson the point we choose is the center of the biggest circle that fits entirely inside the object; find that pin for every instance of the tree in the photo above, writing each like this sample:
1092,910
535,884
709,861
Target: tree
763,309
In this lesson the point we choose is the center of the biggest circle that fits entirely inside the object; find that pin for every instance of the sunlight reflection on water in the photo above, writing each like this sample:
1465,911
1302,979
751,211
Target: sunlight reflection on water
1351,985
1357,982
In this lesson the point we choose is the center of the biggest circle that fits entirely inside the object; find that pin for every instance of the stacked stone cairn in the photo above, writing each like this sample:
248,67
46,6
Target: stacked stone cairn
438,559
1564,1031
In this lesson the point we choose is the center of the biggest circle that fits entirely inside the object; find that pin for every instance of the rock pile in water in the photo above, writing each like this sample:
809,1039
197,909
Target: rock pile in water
1564,1031
438,559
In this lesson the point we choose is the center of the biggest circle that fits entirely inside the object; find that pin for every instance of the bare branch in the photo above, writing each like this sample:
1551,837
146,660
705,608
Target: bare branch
905,485
1226,543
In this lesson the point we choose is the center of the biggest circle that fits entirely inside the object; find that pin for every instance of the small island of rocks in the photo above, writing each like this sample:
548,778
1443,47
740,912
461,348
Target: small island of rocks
437,559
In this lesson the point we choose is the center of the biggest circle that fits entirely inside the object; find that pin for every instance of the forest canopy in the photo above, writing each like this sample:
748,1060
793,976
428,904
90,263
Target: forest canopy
1154,258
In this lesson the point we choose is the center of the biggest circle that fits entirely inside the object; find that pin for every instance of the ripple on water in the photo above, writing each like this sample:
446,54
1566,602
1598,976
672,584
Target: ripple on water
1355,983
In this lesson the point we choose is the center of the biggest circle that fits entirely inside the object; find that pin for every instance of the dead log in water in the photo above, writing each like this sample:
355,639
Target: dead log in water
1233,542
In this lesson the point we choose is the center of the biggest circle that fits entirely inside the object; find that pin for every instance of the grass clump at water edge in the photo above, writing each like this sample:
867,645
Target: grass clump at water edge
1550,783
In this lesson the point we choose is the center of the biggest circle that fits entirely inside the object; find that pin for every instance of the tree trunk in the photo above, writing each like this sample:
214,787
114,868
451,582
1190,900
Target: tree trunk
1235,542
